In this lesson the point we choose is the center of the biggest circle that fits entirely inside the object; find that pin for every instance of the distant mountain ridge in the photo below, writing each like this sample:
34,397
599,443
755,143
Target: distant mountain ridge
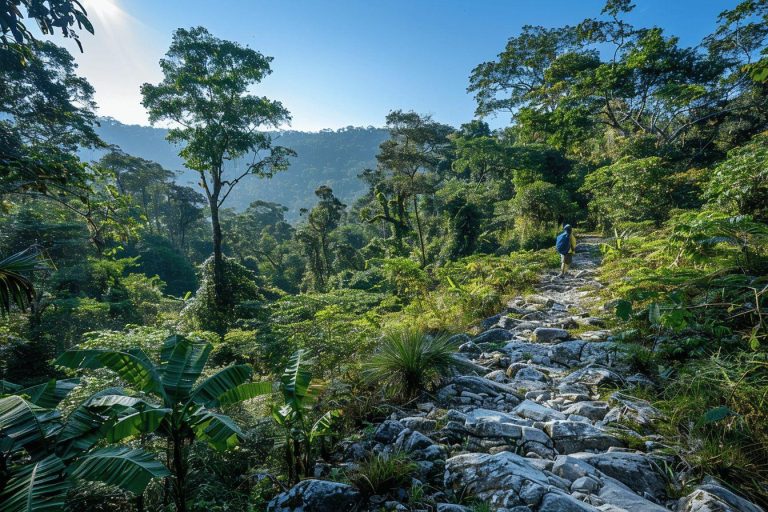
329,157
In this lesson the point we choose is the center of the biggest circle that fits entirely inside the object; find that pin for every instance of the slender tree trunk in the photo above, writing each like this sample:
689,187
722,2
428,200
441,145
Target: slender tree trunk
218,256
418,230
180,473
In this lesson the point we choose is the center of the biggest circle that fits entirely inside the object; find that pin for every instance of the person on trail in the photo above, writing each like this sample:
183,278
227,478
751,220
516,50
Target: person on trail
565,244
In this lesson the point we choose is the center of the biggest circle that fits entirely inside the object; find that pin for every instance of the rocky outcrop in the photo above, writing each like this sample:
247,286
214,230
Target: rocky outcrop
531,423
317,496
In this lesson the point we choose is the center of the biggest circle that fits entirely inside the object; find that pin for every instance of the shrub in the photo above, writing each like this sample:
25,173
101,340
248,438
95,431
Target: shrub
408,362
383,472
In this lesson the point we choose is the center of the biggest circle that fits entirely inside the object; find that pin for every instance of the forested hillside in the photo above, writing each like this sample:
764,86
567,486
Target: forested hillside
330,157
271,332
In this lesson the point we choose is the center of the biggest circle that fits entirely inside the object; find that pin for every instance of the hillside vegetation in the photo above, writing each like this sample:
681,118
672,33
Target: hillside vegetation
293,314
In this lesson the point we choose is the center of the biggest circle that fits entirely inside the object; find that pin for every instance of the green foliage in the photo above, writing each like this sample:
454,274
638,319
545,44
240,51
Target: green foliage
238,285
57,453
381,473
186,401
303,432
739,184
629,190
15,287
408,362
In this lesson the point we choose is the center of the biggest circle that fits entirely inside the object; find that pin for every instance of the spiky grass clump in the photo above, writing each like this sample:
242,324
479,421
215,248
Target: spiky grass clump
408,362
383,472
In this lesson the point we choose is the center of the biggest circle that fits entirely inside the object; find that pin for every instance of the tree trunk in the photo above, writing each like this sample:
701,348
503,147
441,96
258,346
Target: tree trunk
180,473
418,230
218,257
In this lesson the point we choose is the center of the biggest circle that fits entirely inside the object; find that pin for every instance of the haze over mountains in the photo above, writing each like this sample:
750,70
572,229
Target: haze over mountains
329,157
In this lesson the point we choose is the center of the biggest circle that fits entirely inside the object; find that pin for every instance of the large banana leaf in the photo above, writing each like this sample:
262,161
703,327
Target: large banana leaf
135,422
83,428
8,388
128,469
296,380
128,415
22,423
183,367
132,365
51,393
218,430
15,287
208,392
36,487
324,425
244,392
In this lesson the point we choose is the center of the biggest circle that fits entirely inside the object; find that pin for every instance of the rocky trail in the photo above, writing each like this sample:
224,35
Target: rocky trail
538,422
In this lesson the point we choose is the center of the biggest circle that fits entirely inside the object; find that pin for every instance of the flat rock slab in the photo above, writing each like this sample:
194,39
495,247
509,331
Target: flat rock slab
506,480
549,334
637,471
573,436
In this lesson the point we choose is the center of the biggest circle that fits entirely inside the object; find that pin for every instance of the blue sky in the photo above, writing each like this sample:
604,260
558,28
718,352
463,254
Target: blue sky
345,62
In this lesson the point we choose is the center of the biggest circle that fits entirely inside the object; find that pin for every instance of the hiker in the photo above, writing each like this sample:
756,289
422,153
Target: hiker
566,246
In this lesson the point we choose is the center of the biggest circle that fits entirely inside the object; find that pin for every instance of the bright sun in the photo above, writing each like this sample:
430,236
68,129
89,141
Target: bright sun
105,11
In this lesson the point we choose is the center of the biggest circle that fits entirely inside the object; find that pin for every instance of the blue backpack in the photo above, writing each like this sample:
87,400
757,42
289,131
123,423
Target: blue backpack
563,243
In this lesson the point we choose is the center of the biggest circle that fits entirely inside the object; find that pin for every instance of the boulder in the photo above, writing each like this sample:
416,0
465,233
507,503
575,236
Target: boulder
549,334
592,410
715,498
567,353
490,322
493,336
573,436
504,480
388,431
539,299
316,496
637,471
537,412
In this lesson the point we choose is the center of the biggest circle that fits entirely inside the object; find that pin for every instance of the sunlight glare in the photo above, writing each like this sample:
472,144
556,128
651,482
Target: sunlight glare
104,11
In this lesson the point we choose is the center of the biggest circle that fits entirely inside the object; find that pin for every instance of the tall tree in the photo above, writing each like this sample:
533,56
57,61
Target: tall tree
410,159
205,94
314,237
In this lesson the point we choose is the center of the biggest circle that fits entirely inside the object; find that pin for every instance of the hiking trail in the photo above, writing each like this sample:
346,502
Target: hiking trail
541,420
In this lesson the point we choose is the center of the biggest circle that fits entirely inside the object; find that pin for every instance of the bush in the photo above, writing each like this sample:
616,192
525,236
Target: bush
740,183
240,285
408,362
383,472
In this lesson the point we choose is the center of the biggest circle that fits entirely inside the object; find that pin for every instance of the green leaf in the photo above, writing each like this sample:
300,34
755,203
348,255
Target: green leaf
296,380
23,423
15,286
8,388
624,309
654,313
717,414
36,487
136,422
324,425
129,469
50,394
245,391
218,430
754,342
208,392
184,362
131,365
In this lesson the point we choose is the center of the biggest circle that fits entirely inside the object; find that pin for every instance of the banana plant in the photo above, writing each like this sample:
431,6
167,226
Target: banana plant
294,416
42,456
15,287
175,403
